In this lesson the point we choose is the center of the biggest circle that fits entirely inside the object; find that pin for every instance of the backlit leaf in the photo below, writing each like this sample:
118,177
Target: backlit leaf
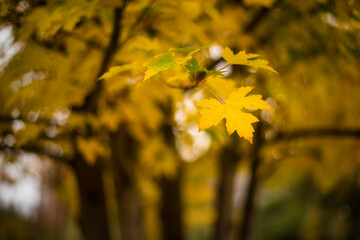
248,59
214,111
167,61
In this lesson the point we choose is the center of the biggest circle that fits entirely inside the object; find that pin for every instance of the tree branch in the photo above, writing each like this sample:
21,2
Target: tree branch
321,132
132,31
259,17
6,119
35,150
113,45
91,101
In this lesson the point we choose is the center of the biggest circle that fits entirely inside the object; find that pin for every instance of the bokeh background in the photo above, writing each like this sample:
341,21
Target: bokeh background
83,158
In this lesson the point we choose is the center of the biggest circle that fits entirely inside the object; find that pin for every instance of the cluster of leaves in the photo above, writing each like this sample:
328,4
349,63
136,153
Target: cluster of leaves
214,109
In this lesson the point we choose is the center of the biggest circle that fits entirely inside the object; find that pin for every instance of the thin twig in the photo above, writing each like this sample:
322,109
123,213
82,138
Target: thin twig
224,67
207,89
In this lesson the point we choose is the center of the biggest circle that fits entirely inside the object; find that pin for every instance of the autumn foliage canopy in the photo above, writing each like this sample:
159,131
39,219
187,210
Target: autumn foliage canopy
166,119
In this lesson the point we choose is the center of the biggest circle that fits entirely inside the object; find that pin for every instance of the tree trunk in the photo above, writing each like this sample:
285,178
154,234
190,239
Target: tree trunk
124,160
248,211
228,161
171,207
353,199
171,198
93,214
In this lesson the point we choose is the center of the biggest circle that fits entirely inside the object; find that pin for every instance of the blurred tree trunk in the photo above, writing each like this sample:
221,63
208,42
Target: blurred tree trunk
171,207
228,161
170,187
124,160
354,204
94,220
248,210
93,214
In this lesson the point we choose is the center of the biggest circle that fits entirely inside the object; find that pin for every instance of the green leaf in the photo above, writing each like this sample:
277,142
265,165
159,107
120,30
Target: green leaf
193,67
162,62
167,61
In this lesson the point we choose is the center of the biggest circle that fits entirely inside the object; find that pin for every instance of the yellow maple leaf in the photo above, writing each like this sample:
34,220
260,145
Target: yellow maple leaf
248,59
214,111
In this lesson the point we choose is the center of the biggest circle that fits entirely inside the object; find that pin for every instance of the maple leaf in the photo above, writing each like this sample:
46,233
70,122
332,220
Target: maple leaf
248,59
214,111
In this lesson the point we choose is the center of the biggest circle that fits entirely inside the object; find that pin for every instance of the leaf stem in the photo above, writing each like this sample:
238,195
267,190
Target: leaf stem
224,67
217,97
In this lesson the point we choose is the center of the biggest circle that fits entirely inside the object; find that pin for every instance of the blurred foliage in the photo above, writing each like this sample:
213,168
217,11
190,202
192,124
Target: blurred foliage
72,76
